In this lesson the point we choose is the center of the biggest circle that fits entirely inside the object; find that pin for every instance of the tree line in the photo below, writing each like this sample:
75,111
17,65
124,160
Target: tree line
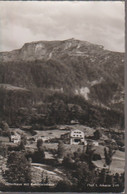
57,108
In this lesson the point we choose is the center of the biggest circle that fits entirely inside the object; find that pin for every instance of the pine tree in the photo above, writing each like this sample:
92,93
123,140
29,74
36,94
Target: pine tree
61,149
19,169
39,143
108,153
90,151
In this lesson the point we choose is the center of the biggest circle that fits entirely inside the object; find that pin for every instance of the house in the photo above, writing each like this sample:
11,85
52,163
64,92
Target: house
15,138
44,138
74,137
74,122
93,142
77,137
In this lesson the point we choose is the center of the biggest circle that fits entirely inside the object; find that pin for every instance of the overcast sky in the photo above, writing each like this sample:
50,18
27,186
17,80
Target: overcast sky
96,22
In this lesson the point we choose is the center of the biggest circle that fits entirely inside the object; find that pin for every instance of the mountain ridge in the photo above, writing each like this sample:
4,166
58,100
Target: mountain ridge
69,65
50,49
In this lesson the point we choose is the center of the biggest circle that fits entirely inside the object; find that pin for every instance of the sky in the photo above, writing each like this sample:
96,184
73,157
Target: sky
101,23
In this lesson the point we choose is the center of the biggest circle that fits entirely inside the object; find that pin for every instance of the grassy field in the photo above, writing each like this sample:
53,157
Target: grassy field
39,169
58,132
4,139
117,166
118,162
51,133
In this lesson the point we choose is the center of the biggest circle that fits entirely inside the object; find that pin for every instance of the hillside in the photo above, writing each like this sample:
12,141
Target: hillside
85,68
69,66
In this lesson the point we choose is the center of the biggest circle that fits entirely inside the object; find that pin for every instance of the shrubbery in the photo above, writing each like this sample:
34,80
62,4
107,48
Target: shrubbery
19,170
61,108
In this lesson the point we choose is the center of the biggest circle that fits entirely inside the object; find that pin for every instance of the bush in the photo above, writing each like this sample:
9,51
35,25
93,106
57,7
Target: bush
120,143
39,143
13,148
61,149
54,140
97,135
68,162
38,156
33,132
63,186
122,149
96,157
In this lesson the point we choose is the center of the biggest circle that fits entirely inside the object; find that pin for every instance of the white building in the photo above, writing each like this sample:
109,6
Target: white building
74,137
16,138
77,137
93,142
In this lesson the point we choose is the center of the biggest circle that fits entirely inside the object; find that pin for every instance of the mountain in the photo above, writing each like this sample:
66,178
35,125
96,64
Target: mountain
75,66
50,49
85,67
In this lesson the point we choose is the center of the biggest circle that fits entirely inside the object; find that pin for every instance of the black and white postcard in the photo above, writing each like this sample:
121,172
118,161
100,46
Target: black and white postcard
62,96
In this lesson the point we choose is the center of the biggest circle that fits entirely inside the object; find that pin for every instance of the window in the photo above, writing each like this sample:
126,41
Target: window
77,140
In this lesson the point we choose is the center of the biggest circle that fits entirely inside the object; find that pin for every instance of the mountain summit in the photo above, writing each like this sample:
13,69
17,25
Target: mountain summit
51,49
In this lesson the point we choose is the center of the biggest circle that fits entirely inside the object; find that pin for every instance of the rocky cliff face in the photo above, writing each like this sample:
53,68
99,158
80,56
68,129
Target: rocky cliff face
53,49
84,68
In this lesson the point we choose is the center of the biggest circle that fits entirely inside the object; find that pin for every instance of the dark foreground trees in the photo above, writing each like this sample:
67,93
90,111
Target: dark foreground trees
19,169
39,155
108,153
97,134
61,149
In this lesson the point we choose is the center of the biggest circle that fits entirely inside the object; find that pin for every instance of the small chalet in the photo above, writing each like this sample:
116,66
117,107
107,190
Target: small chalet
44,139
74,122
93,142
15,138
74,137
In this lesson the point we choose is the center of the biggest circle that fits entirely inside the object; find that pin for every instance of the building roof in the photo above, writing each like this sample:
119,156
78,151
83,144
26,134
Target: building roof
77,130
72,130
